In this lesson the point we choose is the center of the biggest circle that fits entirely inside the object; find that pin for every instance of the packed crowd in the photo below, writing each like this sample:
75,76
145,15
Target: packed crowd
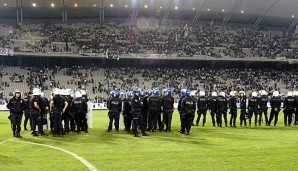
100,81
173,39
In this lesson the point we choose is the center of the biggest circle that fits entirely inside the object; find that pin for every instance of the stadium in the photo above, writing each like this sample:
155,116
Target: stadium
148,85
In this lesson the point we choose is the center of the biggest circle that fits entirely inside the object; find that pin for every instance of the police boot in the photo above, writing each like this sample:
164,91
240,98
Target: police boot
18,135
136,135
144,134
187,133
34,134
14,134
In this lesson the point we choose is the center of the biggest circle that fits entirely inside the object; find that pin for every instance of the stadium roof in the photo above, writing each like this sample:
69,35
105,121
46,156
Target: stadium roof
286,9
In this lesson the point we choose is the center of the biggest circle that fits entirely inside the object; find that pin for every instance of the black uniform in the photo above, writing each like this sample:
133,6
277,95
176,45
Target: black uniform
127,114
154,106
136,105
66,116
212,106
188,108
79,109
253,109
27,113
289,109
115,107
145,112
16,107
36,115
296,111
57,109
275,103
167,103
202,105
263,100
222,106
243,110
179,110
233,110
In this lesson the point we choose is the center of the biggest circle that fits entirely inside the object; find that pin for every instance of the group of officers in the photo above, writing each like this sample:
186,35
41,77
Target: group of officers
63,107
148,111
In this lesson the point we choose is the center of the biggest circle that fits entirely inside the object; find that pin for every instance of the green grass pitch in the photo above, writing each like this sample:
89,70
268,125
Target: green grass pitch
208,148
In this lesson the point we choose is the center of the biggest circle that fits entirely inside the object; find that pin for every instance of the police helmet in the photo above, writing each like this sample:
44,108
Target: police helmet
169,91
187,93
242,92
295,93
78,94
263,93
254,94
183,91
275,94
156,92
290,94
214,94
142,93
202,93
36,92
222,94
149,92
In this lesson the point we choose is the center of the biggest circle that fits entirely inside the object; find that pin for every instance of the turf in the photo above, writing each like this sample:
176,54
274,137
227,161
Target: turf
208,148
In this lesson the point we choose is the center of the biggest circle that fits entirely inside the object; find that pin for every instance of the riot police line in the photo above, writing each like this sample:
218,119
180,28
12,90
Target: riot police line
145,111
64,105
148,111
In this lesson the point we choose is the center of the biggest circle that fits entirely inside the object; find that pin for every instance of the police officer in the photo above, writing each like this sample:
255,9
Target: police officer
16,105
202,105
35,111
289,109
127,112
222,106
57,106
136,105
65,94
275,103
295,93
167,103
154,106
27,111
188,108
233,108
262,103
212,106
183,91
242,101
79,107
253,107
144,96
115,106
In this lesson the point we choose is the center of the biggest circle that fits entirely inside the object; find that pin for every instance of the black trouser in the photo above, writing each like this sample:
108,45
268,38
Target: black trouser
261,111
72,122
153,119
251,112
213,114
57,119
127,120
233,117
288,115
114,116
221,114
16,120
167,119
145,118
137,122
200,113
159,121
37,121
273,114
296,116
187,121
27,118
242,117
66,119
81,121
